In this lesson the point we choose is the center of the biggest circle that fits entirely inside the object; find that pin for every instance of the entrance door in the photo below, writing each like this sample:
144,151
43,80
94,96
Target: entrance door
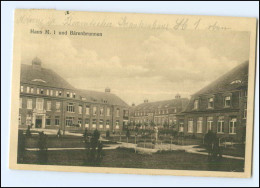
38,122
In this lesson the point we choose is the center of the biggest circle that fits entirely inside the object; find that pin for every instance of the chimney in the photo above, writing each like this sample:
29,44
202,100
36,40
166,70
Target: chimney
178,96
36,63
107,90
146,101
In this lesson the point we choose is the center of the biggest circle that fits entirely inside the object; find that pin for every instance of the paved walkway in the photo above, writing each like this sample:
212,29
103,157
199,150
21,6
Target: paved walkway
159,147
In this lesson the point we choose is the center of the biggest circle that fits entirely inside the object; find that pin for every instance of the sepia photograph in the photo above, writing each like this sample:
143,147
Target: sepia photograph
138,96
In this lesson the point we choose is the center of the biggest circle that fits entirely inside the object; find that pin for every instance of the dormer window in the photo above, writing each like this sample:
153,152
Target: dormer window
41,91
196,104
74,95
227,101
210,102
68,94
236,82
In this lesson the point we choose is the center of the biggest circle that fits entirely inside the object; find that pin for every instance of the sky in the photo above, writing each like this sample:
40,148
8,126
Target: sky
138,64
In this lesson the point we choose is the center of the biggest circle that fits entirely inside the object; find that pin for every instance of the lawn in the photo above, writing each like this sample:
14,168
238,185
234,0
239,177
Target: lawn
127,158
237,150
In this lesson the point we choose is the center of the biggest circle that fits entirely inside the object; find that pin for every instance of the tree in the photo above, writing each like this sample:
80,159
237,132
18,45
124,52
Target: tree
85,135
127,133
21,146
59,134
94,150
212,146
43,150
107,134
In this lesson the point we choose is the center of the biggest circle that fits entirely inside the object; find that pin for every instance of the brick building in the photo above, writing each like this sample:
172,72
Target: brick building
220,107
48,101
159,113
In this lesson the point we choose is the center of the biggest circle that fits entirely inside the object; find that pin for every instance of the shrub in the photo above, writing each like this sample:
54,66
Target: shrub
94,150
43,150
212,146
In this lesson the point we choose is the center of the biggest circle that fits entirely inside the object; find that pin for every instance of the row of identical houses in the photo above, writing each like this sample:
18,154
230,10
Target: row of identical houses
49,101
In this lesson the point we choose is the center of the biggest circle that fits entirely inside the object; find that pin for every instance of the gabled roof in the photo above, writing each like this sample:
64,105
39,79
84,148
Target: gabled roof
162,104
42,77
48,78
101,97
234,79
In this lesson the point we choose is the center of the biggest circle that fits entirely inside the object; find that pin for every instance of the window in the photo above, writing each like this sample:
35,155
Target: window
209,123
94,110
70,107
69,121
80,109
39,104
57,106
68,94
79,122
190,125
227,101
94,123
60,93
117,112
232,126
101,123
28,90
101,111
21,103
20,119
74,95
42,91
107,124
181,126
86,123
125,112
199,124
117,124
32,90
245,110
48,120
210,102
220,124
48,105
51,92
196,104
47,92
29,119
87,110
29,103
38,91
57,120
108,111
21,88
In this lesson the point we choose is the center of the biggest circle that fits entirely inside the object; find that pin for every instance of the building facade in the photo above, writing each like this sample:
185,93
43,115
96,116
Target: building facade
162,114
220,107
48,101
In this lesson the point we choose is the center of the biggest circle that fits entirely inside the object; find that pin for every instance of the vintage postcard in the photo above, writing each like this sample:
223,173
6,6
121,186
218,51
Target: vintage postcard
133,93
